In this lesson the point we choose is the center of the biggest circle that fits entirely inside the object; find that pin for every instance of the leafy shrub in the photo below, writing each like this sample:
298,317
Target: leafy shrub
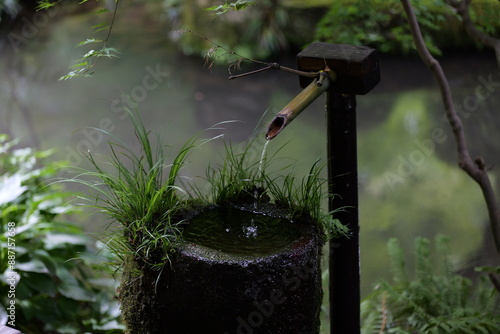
436,301
56,290
382,24
376,23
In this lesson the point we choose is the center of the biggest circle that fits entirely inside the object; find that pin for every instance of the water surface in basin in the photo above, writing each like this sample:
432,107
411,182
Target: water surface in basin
236,231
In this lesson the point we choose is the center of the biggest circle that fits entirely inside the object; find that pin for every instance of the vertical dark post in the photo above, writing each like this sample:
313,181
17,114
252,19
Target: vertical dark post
357,72
343,180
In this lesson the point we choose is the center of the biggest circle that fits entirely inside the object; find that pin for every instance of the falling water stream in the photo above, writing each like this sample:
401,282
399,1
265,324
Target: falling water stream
252,229
263,157
261,169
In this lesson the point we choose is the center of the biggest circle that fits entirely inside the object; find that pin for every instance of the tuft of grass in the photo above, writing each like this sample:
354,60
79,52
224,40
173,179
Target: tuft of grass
141,194
235,179
242,179
304,197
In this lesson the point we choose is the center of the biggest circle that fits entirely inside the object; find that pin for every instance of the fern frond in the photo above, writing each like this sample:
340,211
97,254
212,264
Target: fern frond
397,260
435,301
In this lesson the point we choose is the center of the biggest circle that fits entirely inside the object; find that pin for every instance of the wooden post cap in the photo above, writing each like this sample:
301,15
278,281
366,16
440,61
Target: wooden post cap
356,67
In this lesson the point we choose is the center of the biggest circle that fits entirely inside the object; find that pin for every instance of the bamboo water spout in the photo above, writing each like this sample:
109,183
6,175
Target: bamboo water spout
299,103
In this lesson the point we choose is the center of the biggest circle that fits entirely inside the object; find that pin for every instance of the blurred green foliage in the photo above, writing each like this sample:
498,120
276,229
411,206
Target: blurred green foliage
275,26
56,290
251,29
407,189
383,25
435,301
261,29
230,6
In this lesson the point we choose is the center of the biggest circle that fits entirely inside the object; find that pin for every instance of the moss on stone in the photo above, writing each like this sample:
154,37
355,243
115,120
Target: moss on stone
208,291
141,296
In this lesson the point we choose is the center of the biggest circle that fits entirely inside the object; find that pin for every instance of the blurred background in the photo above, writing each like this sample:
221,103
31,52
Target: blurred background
409,181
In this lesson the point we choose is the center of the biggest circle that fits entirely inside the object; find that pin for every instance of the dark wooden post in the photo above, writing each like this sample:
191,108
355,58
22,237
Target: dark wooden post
357,72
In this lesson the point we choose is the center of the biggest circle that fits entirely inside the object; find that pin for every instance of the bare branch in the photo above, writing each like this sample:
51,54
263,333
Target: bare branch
475,169
212,53
236,76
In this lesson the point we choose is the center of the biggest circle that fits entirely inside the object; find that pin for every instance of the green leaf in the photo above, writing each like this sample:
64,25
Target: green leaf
488,269
109,52
237,6
76,292
89,41
11,188
35,266
89,54
41,283
45,4
103,28
102,24
47,260
60,240
102,10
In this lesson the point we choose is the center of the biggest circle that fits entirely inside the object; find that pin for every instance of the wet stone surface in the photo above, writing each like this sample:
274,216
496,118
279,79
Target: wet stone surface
242,269
246,272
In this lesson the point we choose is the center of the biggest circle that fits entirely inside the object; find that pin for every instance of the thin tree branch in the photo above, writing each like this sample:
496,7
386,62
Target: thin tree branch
462,8
276,66
268,66
107,36
475,169
494,280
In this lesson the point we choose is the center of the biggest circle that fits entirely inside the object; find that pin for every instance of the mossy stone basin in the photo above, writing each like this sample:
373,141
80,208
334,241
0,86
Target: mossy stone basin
245,270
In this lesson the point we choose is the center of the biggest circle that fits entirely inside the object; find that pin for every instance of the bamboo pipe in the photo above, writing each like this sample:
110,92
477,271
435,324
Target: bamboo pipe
299,103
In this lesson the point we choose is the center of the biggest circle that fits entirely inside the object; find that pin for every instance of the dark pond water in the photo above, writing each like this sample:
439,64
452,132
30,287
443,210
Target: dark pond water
409,181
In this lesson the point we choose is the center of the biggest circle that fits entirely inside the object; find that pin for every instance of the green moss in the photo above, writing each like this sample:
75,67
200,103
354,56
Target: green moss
141,296
206,290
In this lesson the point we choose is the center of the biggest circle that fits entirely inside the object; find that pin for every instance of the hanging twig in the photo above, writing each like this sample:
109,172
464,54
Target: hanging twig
268,66
476,169
83,66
